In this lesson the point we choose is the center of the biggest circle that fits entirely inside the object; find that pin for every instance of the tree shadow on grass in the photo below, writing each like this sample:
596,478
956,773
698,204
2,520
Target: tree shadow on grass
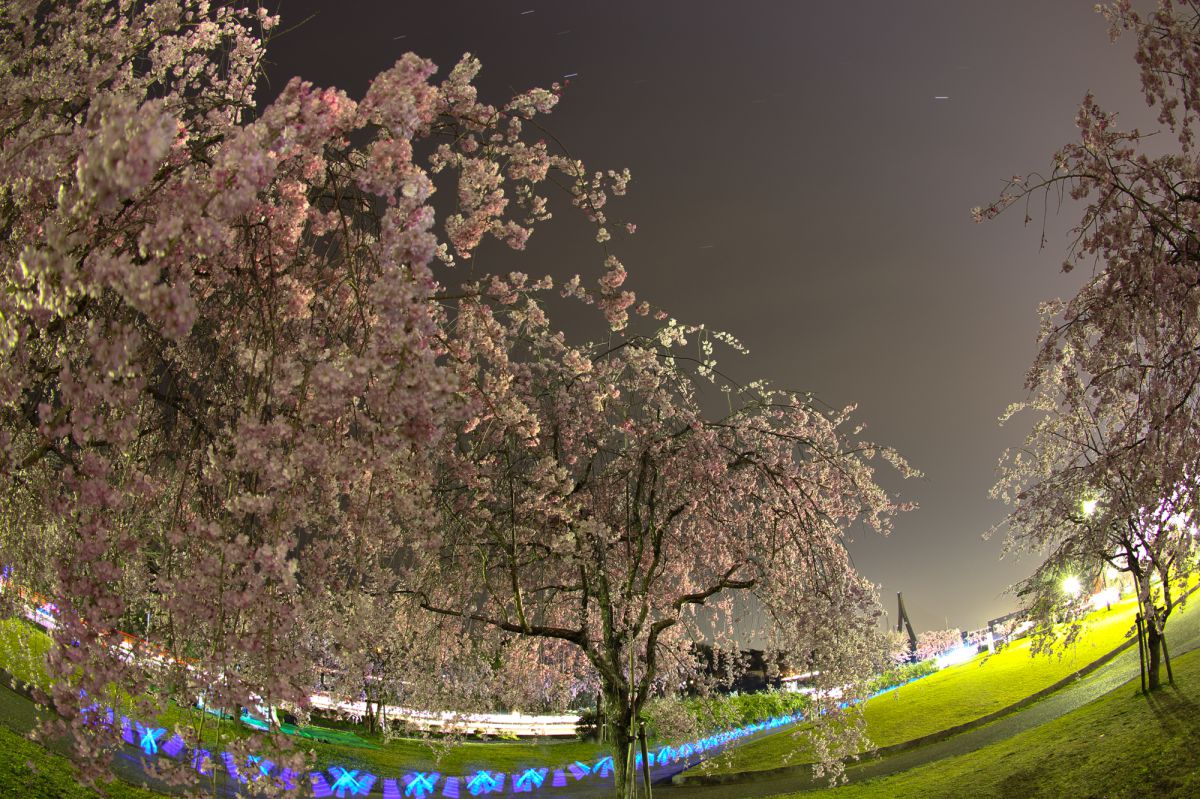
1177,714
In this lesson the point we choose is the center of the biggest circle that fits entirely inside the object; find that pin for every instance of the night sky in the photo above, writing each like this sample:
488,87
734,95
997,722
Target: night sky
798,182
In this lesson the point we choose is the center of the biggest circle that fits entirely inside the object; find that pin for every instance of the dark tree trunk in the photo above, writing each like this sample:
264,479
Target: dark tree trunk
1167,660
372,715
1141,638
1154,644
617,712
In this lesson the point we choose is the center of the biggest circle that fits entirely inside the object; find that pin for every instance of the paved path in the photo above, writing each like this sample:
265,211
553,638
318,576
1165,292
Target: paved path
1183,635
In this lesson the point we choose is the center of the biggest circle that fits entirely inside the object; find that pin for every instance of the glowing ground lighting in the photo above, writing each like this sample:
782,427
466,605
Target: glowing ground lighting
529,779
1072,587
420,784
348,783
1105,598
202,762
956,656
232,768
485,782
148,738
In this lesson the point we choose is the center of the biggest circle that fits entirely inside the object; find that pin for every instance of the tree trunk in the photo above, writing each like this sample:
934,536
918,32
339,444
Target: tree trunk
1154,645
1141,636
617,712
372,710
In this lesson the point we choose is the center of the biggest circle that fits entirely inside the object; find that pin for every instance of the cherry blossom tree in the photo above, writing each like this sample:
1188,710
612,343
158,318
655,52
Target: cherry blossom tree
1087,513
932,643
248,403
897,648
225,355
596,511
1114,381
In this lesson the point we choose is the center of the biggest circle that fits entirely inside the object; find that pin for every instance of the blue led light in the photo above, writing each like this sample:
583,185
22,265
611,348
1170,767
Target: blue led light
485,782
259,767
529,779
420,784
148,738
344,781
348,780
413,785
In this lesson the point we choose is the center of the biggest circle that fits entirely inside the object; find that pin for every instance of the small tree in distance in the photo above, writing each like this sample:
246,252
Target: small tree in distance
932,643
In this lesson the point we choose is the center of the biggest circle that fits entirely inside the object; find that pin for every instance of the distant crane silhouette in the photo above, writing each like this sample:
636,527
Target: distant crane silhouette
902,623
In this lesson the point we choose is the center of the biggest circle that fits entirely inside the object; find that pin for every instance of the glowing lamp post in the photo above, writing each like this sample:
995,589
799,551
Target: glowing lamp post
1088,506
1072,587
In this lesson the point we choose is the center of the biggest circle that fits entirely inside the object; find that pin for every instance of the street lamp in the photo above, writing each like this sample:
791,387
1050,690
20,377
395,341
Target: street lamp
1071,586
1089,506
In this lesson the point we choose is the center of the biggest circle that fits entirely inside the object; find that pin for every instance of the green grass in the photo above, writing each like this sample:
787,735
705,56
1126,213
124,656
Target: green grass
30,771
950,697
23,652
1121,745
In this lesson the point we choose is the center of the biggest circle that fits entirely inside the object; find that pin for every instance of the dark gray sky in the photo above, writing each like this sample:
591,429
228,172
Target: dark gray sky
796,183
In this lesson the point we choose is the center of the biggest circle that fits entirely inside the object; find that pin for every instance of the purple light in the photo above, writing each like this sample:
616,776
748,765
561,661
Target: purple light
286,779
173,747
201,761
232,768
319,785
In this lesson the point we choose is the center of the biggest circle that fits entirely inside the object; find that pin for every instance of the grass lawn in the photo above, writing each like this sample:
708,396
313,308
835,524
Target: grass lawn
30,771
1121,745
950,697
23,651
22,648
